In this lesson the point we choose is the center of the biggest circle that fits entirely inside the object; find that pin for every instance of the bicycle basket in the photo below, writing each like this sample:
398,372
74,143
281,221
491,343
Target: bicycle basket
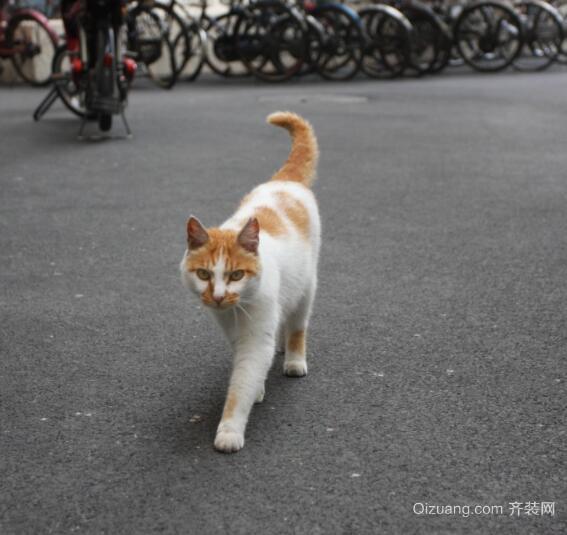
149,50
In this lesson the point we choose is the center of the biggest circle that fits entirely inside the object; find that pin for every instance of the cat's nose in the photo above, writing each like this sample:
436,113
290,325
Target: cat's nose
218,299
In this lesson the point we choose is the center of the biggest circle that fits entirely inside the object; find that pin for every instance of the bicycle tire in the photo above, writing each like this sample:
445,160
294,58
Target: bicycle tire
148,42
542,40
73,97
194,55
177,33
105,121
428,40
478,39
43,44
344,42
271,40
562,9
221,52
314,38
387,48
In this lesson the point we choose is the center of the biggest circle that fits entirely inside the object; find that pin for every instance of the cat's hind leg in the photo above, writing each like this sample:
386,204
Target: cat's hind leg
295,362
280,344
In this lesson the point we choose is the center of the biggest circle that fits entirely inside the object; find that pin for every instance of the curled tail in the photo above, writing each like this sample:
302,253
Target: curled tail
301,164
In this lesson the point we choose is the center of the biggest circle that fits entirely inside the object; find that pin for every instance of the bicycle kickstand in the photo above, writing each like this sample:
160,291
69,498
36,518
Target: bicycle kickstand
45,104
126,125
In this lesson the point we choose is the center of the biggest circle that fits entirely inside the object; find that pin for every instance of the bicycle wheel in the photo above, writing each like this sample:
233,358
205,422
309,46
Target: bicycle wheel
105,122
183,38
163,72
148,43
34,48
315,37
429,41
543,35
343,44
69,88
488,36
387,41
562,10
189,46
221,51
272,41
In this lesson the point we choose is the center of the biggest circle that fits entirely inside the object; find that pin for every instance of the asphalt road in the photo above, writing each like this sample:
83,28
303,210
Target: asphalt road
437,349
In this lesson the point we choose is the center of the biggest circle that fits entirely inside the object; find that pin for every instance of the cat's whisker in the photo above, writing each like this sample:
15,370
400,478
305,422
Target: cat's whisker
240,307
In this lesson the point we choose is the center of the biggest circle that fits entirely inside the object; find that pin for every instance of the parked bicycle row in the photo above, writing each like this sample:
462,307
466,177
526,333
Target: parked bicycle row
275,40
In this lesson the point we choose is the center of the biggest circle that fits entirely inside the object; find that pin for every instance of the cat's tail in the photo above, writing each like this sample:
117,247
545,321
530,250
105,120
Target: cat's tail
301,164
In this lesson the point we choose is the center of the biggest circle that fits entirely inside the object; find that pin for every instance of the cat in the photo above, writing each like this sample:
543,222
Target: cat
257,274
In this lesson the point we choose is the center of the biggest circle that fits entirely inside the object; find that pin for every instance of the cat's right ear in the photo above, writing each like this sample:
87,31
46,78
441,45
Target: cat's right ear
249,236
196,234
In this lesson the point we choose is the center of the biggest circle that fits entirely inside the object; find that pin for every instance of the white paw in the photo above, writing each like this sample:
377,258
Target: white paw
260,396
295,368
229,441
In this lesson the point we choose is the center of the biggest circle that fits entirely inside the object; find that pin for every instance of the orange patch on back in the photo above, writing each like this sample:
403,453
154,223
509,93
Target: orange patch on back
296,342
270,221
229,406
296,211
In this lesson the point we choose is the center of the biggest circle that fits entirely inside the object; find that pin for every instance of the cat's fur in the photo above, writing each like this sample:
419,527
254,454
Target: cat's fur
272,241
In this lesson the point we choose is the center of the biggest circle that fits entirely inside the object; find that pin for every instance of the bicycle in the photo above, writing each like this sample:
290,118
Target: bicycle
93,82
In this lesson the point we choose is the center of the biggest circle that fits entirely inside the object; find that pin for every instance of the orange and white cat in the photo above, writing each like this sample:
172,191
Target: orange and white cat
257,273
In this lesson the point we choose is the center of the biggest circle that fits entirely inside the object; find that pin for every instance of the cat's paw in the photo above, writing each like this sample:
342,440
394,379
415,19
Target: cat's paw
260,396
295,368
229,441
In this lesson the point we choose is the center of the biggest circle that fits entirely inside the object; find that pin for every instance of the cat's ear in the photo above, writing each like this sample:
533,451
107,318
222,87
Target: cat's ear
196,234
249,236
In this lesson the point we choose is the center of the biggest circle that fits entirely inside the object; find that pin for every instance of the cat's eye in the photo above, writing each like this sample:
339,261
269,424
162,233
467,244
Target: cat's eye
236,275
203,274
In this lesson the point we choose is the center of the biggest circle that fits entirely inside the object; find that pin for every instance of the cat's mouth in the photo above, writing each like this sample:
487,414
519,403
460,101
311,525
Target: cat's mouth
222,305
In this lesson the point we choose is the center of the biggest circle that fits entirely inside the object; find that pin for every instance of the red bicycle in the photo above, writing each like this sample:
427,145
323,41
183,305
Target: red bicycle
27,39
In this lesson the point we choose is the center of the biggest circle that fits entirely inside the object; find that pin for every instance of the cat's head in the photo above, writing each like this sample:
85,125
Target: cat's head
221,265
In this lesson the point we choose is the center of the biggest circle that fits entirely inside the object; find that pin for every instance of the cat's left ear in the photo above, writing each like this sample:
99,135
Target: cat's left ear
249,237
196,234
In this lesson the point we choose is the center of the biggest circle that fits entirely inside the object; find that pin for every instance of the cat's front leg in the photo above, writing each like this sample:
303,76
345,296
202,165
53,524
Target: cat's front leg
251,365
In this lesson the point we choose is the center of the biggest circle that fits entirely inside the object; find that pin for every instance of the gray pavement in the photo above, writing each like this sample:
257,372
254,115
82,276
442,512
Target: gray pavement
437,348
